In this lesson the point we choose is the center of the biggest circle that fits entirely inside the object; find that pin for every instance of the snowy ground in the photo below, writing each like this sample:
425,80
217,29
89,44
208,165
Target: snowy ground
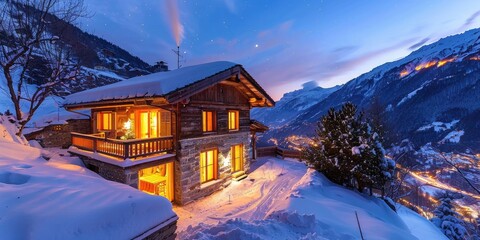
282,199
249,199
58,199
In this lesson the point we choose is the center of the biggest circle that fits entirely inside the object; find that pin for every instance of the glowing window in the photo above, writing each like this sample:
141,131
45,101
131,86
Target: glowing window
57,128
104,121
208,165
209,121
237,158
233,121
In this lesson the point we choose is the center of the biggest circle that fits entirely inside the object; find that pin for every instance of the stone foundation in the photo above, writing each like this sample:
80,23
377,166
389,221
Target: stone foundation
166,232
187,185
128,175
187,167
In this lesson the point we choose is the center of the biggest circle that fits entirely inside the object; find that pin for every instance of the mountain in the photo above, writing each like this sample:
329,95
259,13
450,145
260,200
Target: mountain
291,104
100,62
432,95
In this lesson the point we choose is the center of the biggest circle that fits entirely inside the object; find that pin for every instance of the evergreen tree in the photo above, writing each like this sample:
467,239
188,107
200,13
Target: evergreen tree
447,219
347,151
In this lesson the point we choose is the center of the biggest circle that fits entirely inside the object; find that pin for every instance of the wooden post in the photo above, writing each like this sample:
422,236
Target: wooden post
94,145
359,227
126,150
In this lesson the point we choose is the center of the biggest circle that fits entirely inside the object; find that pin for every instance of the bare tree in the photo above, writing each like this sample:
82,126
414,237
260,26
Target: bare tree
24,39
451,163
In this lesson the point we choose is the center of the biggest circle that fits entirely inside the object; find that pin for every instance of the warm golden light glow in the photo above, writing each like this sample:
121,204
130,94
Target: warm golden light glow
157,180
430,64
404,73
154,124
233,121
104,121
208,165
127,125
444,61
425,65
209,121
237,158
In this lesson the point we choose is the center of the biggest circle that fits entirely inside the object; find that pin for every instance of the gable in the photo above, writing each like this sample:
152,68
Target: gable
221,93
173,86
236,77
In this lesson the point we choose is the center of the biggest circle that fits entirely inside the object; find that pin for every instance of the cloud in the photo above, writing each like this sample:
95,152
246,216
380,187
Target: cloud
472,18
310,85
418,44
284,69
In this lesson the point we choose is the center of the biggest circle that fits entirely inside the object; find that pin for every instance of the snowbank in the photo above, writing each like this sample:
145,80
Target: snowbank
57,200
313,208
334,207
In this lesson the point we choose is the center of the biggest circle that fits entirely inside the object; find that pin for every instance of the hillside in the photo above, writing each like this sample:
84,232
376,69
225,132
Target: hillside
437,84
98,61
298,203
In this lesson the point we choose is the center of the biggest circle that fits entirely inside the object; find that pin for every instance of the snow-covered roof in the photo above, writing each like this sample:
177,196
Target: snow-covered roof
152,85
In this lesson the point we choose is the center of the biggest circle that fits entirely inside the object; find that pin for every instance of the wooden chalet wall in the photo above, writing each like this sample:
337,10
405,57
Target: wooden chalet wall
220,98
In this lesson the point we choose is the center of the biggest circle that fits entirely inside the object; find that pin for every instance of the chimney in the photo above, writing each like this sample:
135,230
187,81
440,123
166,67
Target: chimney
160,66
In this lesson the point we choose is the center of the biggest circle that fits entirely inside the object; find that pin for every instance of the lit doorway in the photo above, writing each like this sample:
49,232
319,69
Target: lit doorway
157,180
152,124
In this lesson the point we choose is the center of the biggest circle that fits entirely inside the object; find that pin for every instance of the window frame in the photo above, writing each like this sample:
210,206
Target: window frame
234,156
236,124
213,119
100,121
214,166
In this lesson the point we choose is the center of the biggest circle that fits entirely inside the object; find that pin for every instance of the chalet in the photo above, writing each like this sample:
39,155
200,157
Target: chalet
182,134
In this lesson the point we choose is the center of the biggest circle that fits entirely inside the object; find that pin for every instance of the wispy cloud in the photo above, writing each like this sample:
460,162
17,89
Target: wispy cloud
419,44
471,19
282,71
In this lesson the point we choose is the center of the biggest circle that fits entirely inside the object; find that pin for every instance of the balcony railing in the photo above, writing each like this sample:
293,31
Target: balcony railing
122,148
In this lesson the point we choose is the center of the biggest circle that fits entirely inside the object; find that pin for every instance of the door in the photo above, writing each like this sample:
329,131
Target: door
157,180
154,124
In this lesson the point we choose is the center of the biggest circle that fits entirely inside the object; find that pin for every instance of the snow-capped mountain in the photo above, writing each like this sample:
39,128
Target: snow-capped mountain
291,104
436,84
100,61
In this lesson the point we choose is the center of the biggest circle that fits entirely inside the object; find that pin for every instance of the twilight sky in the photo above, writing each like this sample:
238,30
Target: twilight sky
282,44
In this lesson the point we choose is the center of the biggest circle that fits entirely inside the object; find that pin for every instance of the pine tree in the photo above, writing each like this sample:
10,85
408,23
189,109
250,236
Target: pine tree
447,219
347,151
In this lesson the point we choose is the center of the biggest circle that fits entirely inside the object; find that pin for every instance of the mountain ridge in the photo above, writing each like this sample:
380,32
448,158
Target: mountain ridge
437,82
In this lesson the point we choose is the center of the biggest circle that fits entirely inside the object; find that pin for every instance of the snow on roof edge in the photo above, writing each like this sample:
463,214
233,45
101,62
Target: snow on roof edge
151,85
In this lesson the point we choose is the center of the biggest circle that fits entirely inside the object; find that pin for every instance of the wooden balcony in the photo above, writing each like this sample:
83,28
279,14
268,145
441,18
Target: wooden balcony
123,149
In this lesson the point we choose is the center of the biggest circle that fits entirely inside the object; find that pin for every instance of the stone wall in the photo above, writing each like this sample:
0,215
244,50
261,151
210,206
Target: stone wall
108,171
59,135
128,175
187,166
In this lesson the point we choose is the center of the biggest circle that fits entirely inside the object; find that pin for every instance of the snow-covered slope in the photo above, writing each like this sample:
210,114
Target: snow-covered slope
291,104
436,83
310,207
56,200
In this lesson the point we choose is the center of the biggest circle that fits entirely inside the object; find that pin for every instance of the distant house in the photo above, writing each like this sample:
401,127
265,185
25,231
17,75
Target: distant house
182,134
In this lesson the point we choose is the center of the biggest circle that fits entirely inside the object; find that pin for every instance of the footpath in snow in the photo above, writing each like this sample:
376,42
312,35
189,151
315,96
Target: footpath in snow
282,199
250,199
